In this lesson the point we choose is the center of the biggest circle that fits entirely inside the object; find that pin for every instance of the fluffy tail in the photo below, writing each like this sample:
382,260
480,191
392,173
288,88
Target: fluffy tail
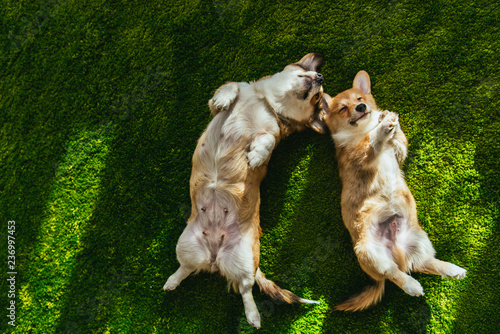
371,295
275,292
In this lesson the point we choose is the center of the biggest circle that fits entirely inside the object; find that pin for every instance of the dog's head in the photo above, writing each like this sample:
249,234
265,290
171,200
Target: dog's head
352,111
295,93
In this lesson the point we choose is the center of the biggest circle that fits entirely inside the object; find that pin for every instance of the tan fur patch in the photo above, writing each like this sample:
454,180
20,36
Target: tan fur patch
377,206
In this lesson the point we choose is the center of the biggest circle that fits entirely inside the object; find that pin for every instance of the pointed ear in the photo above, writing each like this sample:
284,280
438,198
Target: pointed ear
362,82
324,103
319,126
311,62
317,121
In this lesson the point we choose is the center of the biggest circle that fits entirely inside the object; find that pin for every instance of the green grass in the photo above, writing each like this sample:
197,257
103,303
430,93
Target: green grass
101,105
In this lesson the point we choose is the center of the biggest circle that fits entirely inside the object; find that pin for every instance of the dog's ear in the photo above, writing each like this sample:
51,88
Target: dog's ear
324,103
362,82
318,125
311,62
317,121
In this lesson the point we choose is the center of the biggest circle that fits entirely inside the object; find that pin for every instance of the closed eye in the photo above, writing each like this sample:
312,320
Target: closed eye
344,108
360,98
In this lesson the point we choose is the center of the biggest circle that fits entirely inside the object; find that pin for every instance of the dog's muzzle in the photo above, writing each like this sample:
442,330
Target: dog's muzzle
361,112
361,107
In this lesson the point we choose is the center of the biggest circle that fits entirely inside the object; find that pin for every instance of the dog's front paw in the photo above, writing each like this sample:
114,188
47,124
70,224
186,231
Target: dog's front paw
223,97
389,124
382,115
256,158
171,284
260,149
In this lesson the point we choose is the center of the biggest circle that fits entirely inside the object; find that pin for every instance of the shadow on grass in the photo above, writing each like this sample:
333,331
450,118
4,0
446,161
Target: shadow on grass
314,254
482,295
129,245
467,140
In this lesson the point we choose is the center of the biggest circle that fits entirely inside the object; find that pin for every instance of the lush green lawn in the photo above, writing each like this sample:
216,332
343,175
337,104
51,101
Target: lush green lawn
101,105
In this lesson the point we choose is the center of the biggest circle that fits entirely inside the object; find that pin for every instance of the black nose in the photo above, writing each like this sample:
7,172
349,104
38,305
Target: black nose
361,107
319,78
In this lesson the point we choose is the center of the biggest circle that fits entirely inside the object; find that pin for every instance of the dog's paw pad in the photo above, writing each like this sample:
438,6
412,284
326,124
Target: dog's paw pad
390,123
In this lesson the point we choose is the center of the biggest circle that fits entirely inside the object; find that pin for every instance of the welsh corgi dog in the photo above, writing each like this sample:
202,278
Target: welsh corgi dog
230,160
377,206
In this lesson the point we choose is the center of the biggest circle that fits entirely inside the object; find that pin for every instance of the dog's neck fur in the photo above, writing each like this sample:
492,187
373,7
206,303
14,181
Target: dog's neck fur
349,138
287,125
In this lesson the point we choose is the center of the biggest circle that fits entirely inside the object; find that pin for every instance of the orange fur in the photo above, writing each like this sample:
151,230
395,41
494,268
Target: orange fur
377,206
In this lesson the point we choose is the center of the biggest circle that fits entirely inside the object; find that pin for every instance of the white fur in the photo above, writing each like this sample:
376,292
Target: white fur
384,201
280,93
224,97
349,135
258,104
237,142
260,149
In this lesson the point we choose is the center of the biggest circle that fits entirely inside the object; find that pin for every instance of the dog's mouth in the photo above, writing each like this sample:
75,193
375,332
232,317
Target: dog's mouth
354,122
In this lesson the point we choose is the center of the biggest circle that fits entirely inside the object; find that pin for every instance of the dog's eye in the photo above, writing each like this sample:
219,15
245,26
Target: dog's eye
344,108
316,96
360,98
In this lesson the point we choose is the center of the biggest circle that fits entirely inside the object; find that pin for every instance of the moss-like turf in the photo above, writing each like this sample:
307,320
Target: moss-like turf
101,105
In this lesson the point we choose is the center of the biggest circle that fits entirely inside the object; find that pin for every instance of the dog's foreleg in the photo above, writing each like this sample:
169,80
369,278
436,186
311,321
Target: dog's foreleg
379,136
400,144
260,149
223,97
176,278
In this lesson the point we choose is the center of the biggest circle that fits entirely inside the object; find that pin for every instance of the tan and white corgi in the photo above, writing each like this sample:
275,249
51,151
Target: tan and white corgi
377,207
223,232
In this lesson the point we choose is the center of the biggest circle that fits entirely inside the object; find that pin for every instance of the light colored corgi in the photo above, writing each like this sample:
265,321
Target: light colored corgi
377,207
223,232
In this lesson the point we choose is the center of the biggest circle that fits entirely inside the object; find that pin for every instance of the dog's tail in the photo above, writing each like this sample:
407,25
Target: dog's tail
371,295
275,292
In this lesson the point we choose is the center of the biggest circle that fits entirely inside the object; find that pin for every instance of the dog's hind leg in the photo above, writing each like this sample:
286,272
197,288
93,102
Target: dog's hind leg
379,263
410,285
190,254
445,269
422,256
237,265
176,278
251,311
